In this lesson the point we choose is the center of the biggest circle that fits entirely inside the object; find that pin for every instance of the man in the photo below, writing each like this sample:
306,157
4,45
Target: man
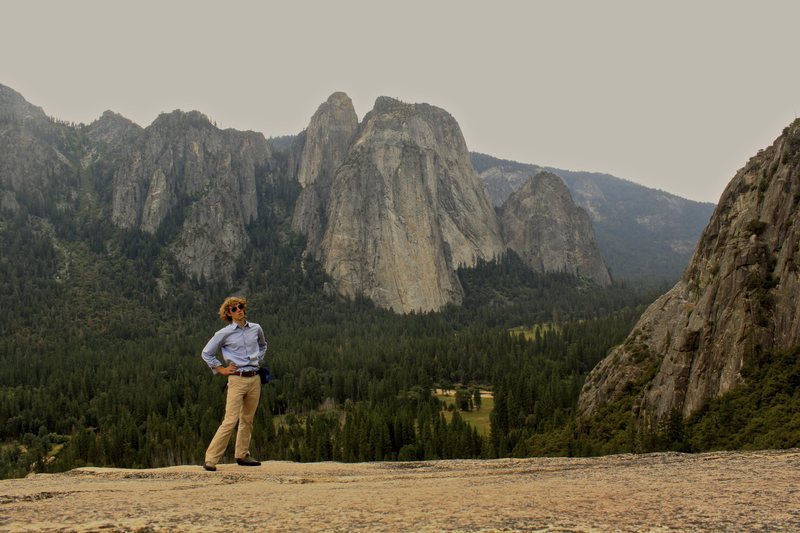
243,346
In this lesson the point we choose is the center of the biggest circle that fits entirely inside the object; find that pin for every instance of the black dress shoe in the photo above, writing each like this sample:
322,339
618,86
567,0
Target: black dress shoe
210,467
248,462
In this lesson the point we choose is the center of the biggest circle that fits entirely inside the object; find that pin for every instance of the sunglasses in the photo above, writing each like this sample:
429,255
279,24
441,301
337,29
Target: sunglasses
236,307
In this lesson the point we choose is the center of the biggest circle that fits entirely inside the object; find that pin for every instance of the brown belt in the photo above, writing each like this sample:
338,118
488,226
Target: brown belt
246,373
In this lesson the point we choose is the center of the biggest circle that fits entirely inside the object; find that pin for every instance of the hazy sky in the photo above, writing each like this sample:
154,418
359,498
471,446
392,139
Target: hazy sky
675,95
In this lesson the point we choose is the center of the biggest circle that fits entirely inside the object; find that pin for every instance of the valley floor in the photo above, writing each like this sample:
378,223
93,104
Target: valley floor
721,491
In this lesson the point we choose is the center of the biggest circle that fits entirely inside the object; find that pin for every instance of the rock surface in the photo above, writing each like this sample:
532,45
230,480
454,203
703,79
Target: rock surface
549,232
721,491
737,299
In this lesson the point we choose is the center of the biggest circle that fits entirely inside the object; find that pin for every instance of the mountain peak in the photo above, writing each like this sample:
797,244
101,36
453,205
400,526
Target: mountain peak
387,103
13,104
111,116
112,128
179,118
546,180
338,98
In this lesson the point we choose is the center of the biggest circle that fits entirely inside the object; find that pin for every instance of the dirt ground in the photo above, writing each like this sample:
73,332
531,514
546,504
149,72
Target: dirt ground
754,491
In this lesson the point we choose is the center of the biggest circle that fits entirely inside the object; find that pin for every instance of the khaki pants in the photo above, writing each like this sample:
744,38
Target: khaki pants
240,405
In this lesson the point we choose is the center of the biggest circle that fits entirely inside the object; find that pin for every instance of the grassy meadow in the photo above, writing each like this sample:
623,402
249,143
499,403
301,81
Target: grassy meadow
479,419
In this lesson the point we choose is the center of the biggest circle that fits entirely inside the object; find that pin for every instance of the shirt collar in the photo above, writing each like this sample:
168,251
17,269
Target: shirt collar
234,325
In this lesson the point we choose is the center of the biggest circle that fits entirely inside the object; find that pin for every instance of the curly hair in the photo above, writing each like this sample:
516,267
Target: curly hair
227,304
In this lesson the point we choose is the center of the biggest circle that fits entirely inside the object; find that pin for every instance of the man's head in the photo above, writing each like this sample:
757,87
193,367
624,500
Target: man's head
232,307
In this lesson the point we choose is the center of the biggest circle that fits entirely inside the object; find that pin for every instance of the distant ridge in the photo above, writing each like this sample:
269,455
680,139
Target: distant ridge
644,234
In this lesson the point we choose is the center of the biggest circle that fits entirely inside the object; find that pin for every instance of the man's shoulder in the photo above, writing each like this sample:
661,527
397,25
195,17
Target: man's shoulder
227,329
254,325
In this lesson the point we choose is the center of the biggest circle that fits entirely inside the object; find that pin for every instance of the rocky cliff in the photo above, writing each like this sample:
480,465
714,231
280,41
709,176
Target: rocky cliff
391,207
736,301
181,172
401,211
184,167
549,232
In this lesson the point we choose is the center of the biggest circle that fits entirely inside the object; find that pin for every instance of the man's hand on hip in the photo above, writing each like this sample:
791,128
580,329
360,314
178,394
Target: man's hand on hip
227,370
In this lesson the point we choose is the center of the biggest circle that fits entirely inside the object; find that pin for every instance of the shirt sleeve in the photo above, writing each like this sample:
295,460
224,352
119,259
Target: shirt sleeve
209,353
262,345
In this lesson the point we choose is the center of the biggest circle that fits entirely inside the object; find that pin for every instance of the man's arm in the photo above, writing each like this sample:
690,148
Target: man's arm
262,345
209,355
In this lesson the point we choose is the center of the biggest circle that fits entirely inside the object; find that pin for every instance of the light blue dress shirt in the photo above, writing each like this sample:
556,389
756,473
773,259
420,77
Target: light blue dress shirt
243,346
